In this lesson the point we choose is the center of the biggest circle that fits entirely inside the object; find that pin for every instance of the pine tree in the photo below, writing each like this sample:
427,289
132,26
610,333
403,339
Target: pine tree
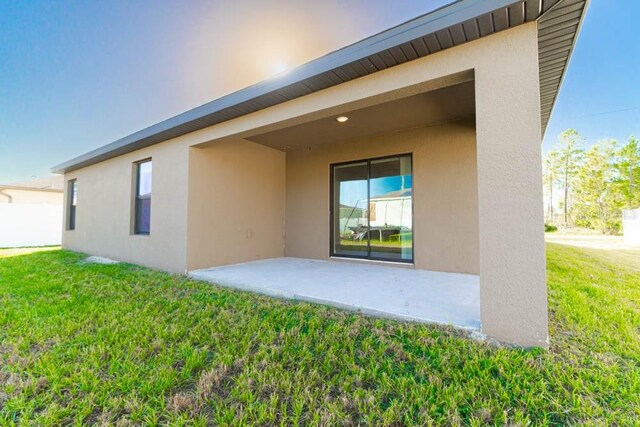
628,168
550,180
597,201
570,155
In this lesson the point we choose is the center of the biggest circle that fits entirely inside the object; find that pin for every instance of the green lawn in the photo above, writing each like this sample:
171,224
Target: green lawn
118,344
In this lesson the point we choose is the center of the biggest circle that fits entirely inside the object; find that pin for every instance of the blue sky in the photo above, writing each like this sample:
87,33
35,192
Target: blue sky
75,75
354,193
600,96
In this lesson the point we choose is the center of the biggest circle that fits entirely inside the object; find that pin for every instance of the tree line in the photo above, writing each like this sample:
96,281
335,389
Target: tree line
590,187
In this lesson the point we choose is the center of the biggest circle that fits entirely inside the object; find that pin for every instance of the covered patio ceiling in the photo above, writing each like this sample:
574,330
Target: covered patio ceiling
451,103
377,290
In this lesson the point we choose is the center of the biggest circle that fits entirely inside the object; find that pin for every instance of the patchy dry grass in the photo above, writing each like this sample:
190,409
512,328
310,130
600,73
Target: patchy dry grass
8,252
122,345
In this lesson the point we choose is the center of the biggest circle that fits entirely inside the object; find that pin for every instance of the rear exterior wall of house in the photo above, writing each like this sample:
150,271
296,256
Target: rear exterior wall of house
506,174
105,204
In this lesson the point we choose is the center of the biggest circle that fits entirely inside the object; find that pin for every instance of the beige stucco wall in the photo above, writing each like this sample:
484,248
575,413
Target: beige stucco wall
513,292
511,261
28,197
236,204
104,209
444,193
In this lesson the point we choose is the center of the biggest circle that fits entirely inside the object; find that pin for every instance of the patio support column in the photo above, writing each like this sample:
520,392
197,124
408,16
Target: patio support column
513,293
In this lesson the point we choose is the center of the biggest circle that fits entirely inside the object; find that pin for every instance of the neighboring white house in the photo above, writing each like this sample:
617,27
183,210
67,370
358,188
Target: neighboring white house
31,212
631,226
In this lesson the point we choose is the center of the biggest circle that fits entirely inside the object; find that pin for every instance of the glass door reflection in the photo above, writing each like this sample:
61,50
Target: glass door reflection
350,226
372,209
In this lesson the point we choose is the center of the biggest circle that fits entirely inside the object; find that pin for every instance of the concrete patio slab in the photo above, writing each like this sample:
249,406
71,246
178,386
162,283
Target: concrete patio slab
378,290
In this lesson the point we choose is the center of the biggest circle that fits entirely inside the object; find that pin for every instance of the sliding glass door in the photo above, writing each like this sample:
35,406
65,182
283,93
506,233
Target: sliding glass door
371,212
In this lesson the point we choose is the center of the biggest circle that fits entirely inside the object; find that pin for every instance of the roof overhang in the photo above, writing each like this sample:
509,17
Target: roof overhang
559,23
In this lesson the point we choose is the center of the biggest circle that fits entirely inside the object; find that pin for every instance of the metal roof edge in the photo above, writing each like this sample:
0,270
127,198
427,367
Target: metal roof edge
570,56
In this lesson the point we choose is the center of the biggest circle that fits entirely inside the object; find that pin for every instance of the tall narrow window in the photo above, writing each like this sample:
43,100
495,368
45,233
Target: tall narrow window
372,209
143,198
73,201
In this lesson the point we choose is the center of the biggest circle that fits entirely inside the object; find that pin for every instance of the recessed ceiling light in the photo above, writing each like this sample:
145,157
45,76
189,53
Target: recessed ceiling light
342,119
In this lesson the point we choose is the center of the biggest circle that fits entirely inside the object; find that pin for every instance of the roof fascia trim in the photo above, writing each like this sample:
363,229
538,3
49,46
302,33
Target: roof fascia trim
585,10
